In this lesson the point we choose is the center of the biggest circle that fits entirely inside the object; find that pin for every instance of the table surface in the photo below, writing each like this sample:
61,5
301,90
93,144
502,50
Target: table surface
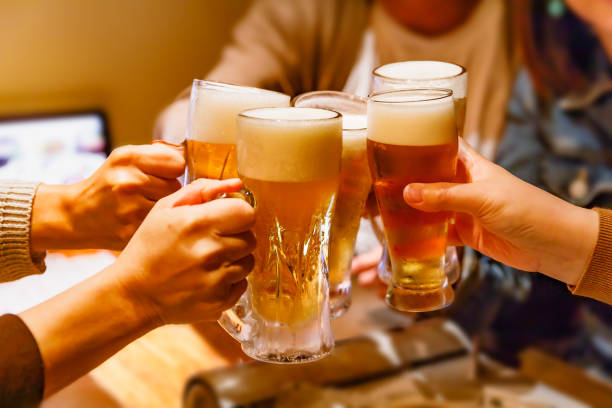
152,371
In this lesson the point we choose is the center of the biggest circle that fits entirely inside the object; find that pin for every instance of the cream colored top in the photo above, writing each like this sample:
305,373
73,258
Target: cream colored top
16,261
297,46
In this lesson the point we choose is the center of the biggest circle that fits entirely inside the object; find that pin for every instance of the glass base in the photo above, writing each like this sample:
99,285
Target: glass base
452,267
296,357
340,299
408,300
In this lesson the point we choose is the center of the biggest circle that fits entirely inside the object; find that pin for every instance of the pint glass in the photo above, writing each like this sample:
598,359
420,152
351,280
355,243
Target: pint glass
211,126
289,162
412,137
355,184
425,74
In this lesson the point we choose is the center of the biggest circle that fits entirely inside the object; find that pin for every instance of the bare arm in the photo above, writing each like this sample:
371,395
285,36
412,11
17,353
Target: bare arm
194,273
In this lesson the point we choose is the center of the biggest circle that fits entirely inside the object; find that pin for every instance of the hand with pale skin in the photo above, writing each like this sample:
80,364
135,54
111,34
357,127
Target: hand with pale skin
104,210
186,263
510,220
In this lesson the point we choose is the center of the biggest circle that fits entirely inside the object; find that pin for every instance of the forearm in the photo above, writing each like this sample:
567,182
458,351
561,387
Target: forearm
80,328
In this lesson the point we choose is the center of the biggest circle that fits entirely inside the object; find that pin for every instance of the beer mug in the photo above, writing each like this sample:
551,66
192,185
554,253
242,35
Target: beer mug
425,74
211,125
289,162
412,137
355,184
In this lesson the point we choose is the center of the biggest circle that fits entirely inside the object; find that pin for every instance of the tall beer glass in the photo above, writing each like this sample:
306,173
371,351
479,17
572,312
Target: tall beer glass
426,74
355,184
211,125
289,162
412,137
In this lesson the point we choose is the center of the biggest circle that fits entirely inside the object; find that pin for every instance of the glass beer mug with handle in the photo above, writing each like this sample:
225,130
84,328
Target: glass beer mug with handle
425,74
211,125
412,137
355,184
289,162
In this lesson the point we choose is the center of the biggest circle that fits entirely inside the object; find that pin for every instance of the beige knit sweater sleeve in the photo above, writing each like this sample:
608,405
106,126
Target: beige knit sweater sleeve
16,259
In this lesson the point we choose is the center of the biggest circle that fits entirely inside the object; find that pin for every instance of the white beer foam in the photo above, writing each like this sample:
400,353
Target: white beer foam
353,122
403,118
215,107
354,132
421,74
289,144
419,70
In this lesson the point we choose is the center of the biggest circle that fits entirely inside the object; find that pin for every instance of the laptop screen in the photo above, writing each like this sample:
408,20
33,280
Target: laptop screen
53,149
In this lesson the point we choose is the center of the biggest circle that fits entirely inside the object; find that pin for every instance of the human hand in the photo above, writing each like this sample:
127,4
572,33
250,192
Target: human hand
104,210
365,268
510,220
189,259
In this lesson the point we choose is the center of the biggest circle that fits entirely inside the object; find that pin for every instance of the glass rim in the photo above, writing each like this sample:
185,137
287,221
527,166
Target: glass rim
395,79
443,93
334,94
245,114
228,86
341,94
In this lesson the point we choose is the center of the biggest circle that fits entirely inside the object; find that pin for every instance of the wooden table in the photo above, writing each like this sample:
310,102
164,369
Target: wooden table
152,371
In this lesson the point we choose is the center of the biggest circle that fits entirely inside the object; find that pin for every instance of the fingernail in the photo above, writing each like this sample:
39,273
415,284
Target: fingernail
413,193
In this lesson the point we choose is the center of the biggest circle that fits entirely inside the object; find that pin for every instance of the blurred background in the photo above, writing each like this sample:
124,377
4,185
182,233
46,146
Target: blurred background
78,78
125,59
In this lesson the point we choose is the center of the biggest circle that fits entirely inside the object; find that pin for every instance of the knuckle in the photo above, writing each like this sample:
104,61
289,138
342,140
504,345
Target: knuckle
124,154
125,181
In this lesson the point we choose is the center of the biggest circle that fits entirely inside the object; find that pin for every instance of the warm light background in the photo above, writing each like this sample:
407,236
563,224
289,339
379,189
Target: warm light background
128,58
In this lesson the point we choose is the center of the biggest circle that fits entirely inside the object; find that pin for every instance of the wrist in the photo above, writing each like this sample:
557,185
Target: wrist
575,245
142,311
52,225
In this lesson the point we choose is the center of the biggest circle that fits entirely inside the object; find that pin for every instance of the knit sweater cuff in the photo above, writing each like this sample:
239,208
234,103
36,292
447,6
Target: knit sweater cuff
16,260
596,280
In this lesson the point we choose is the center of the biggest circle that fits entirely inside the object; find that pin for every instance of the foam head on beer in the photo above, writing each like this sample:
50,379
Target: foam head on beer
412,118
416,74
289,144
215,106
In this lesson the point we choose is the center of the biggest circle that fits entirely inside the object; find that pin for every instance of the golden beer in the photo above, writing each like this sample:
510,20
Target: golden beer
412,137
211,127
355,184
426,74
289,161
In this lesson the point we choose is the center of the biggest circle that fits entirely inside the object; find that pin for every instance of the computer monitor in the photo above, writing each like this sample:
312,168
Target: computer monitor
55,149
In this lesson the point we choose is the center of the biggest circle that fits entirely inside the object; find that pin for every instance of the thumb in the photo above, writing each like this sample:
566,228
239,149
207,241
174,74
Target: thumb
201,191
432,197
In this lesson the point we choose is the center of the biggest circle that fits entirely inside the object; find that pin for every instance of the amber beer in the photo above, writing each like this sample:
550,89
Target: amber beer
355,184
289,161
211,127
412,137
